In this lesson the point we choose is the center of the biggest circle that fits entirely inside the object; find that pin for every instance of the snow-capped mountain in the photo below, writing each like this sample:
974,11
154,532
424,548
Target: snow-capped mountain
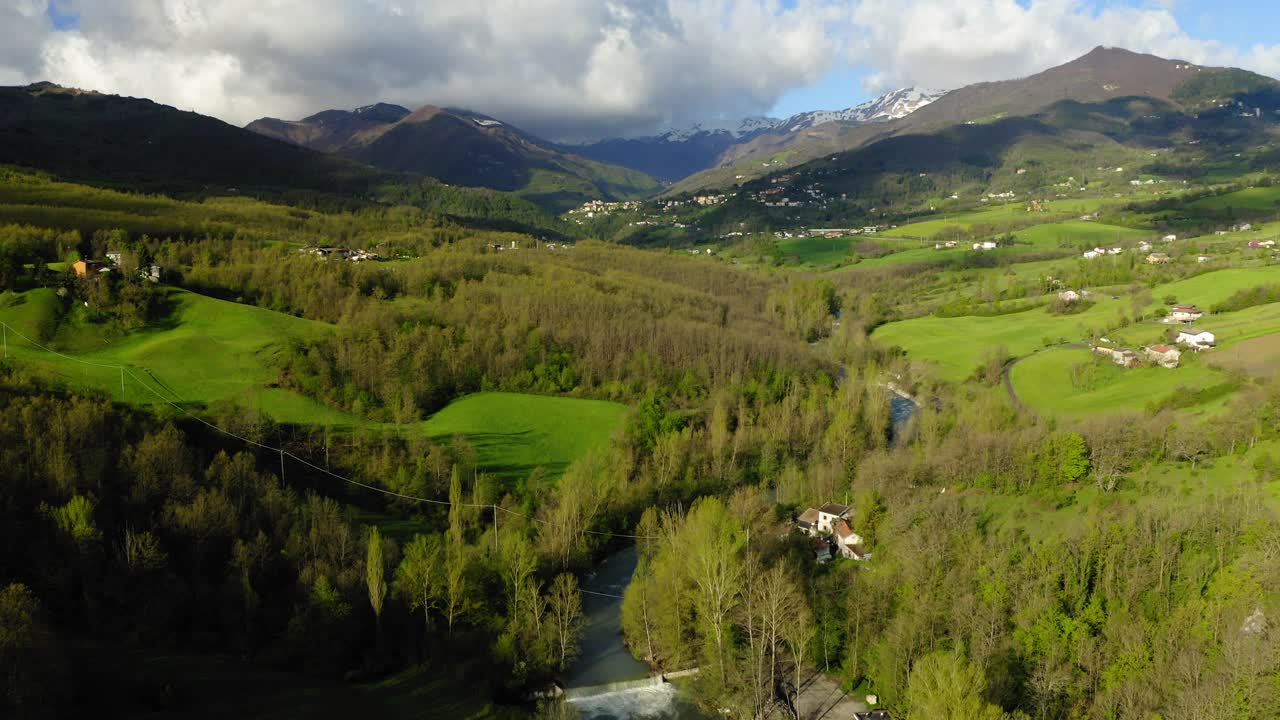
676,153
890,106
740,129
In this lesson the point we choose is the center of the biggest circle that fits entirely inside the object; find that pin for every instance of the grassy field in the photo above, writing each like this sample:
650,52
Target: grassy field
1078,233
997,214
1045,385
817,251
1211,288
955,346
514,433
211,350
1258,198
206,351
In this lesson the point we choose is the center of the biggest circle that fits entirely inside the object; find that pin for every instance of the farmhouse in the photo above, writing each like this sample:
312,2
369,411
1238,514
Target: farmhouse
849,542
87,268
1169,238
1068,296
1164,356
1196,339
808,521
828,515
1144,246
1185,313
1123,357
1256,244
984,245
1158,259
115,257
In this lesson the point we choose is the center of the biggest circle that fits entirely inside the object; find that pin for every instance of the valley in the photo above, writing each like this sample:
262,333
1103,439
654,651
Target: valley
961,400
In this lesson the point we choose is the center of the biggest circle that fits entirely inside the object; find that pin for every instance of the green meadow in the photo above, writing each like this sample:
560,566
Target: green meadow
1070,382
1255,198
1016,210
817,251
514,433
955,346
1077,233
210,351
205,351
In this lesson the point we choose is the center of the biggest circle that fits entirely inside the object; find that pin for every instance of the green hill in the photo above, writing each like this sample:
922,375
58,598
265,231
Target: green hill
462,148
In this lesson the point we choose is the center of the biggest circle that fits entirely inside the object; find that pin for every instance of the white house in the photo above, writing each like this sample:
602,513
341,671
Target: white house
1115,251
1185,313
828,515
1096,252
1196,339
849,542
1068,296
984,245
1170,238
1144,246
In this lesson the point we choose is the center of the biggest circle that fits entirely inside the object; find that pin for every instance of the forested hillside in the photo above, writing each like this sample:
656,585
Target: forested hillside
980,422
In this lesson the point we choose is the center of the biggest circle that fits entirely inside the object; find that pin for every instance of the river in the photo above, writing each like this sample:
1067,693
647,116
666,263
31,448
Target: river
606,682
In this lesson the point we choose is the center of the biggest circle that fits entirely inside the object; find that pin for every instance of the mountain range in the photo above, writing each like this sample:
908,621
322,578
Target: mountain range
678,153
1110,103
461,147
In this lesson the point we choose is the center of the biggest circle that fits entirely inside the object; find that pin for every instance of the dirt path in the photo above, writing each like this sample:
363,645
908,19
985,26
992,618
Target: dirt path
1008,372
822,699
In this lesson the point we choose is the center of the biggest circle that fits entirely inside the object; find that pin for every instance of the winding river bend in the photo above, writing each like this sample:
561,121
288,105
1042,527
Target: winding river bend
606,682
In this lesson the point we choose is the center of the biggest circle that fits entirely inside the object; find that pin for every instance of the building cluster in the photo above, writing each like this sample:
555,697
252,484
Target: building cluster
342,253
1161,354
113,263
592,208
831,532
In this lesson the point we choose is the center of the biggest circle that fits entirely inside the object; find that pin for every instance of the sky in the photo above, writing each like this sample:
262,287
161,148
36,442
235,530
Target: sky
586,69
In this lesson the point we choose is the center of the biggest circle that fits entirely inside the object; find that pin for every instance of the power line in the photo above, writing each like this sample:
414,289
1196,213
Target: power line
283,453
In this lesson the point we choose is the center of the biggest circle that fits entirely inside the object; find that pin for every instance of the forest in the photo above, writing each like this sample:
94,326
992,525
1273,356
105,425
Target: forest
1024,565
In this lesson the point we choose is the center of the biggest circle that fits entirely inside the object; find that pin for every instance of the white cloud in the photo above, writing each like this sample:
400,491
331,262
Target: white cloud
555,66
942,43
567,68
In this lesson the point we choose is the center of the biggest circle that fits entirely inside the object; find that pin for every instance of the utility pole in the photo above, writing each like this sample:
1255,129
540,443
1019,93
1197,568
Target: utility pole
6,340
495,530
282,465
121,383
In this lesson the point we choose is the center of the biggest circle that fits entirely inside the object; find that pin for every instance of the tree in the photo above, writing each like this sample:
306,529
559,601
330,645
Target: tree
565,605
518,564
418,575
713,540
375,575
945,686
31,668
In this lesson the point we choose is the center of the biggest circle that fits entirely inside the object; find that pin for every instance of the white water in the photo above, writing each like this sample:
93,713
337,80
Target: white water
656,702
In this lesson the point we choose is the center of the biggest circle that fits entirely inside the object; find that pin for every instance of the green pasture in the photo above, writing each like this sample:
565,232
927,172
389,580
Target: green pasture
1046,383
514,433
954,347
1078,233
1016,210
212,350
817,251
1256,198
205,351
1210,288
